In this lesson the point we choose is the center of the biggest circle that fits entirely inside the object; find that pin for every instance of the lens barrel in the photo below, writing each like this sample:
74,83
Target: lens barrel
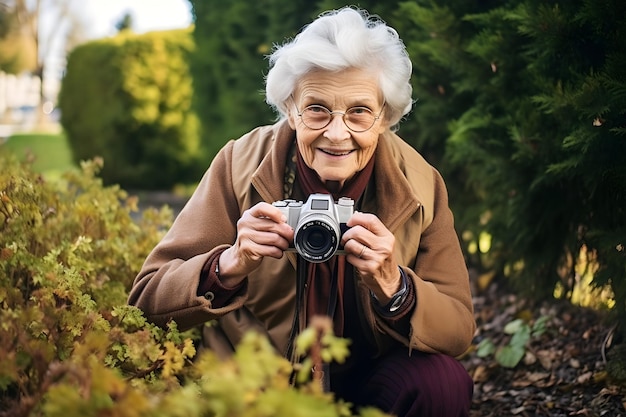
317,238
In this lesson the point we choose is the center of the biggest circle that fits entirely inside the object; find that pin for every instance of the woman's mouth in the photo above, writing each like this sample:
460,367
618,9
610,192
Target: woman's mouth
333,152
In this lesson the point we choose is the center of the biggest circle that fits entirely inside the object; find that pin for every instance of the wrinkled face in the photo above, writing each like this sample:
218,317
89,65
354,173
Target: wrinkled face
335,152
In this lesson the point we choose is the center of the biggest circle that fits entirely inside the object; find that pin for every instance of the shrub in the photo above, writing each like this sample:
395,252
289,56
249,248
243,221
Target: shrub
68,251
128,99
71,347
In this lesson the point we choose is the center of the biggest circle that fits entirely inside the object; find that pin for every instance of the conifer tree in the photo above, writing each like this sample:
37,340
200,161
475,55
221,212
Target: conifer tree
529,98
233,40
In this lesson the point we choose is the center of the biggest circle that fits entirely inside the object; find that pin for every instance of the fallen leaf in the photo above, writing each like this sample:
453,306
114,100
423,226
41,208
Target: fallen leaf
584,378
518,410
480,374
545,358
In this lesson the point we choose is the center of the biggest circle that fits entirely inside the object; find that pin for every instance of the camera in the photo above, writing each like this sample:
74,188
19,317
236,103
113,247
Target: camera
318,225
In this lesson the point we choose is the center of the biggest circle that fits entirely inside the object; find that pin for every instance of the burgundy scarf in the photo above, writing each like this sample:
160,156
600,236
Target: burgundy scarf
319,275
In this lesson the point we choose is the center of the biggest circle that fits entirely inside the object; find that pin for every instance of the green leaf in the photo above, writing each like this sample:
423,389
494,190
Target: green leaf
513,326
521,337
485,348
540,326
509,356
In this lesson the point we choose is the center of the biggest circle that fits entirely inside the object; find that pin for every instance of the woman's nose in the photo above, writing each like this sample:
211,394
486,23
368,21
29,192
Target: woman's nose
337,129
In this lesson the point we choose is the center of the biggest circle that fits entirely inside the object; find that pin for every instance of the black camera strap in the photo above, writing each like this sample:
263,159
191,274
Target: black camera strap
302,268
301,277
330,312
333,290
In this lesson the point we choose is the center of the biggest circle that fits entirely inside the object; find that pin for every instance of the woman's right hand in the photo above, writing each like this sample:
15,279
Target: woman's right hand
262,231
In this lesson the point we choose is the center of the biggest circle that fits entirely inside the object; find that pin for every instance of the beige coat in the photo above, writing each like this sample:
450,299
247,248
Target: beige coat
409,197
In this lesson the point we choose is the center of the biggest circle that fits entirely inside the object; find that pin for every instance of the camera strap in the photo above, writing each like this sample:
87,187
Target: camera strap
302,270
333,291
301,277
330,312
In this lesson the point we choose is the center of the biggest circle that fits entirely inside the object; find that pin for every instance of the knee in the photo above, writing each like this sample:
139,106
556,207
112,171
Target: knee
422,385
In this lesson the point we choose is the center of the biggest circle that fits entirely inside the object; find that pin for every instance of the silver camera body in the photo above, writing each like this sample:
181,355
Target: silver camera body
318,225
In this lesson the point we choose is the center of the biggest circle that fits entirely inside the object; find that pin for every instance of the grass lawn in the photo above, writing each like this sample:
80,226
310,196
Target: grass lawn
50,151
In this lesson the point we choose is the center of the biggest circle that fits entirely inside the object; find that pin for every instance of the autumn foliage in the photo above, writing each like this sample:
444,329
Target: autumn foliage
69,344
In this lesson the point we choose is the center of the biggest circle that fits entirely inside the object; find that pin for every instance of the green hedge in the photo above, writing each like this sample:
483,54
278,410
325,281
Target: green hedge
128,100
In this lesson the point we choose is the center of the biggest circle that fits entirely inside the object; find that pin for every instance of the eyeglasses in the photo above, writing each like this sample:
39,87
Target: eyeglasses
357,119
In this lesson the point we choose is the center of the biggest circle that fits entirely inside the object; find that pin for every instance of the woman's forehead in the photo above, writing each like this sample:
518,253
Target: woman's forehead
339,87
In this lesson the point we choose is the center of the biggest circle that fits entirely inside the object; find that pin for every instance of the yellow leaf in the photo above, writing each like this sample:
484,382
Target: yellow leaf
485,279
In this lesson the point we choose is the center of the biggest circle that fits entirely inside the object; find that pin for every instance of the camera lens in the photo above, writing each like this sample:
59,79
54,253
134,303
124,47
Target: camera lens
316,241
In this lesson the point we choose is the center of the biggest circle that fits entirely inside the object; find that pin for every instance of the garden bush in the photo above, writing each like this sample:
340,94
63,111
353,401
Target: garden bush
71,346
127,99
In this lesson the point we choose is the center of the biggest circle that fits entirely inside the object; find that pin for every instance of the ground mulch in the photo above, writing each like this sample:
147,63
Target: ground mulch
564,370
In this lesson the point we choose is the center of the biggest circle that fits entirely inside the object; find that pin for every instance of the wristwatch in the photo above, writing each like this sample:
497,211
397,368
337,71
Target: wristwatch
396,300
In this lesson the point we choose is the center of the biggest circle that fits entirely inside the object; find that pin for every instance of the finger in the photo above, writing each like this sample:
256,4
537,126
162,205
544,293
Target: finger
264,217
369,255
368,221
358,251
267,211
254,244
362,252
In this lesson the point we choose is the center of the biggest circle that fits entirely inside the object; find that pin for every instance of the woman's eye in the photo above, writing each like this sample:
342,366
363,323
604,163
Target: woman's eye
317,109
359,110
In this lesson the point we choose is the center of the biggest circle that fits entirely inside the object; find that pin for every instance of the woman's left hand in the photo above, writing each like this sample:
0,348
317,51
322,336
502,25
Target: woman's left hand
369,247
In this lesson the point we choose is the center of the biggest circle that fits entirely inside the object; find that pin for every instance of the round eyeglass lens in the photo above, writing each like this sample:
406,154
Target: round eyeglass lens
316,117
359,119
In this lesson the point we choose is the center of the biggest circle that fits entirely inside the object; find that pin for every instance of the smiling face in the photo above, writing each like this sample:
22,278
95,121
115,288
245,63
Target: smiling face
335,152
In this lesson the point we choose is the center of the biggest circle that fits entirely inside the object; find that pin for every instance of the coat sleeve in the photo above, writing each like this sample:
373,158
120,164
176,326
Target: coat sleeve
166,287
443,320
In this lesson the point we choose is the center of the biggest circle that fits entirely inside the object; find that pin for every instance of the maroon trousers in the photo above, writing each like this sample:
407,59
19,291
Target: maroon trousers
422,384
418,385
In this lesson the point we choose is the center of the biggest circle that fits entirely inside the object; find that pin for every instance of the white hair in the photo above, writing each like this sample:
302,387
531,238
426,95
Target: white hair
337,40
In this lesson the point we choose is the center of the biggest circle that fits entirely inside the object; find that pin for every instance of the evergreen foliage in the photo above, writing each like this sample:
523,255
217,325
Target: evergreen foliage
128,100
523,103
232,41
71,347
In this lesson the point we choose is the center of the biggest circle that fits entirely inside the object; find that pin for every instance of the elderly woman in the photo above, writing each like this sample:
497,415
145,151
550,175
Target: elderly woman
399,287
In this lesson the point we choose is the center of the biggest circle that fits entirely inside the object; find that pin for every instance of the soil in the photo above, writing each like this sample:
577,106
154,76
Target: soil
564,371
